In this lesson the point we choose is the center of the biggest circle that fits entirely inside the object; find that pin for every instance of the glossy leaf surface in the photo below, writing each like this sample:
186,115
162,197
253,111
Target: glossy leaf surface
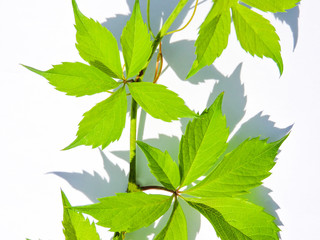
136,43
162,166
96,44
213,36
272,5
176,228
256,34
77,79
237,219
203,142
104,123
159,102
241,170
127,211
76,227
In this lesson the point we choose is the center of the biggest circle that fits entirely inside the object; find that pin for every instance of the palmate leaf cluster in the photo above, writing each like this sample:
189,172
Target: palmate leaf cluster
217,196
225,176
255,33
104,123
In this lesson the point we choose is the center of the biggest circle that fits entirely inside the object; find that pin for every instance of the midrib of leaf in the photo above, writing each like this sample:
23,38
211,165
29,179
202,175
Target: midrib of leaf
164,173
83,25
257,156
227,172
92,39
211,119
217,19
222,230
249,26
159,203
133,40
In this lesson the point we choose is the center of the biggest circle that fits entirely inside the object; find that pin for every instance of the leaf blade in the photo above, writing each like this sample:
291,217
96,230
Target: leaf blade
77,79
162,166
241,170
236,218
136,44
96,44
198,152
76,227
256,35
213,36
176,227
271,5
159,102
127,212
104,123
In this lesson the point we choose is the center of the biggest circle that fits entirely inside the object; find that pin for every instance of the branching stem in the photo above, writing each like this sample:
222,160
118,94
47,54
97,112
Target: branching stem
174,192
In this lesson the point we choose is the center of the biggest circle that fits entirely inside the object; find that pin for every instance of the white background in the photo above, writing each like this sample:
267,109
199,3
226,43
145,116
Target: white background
37,121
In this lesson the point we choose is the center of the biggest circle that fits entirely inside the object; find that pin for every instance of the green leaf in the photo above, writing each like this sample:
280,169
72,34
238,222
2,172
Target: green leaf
176,228
272,5
76,227
241,170
175,13
162,166
237,219
104,123
213,36
203,142
77,79
96,44
127,212
159,102
136,43
256,35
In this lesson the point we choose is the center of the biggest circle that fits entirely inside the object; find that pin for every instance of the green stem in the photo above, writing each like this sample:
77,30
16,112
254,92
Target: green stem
133,138
148,18
145,188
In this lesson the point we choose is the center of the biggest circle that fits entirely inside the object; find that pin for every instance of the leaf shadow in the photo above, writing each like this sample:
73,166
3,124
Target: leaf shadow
261,196
291,17
95,186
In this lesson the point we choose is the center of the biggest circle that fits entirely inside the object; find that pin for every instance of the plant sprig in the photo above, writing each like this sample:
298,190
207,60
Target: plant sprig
218,195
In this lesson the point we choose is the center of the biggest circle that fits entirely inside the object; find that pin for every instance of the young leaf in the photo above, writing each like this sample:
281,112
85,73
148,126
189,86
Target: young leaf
96,44
159,102
241,170
162,166
76,227
272,5
203,142
104,123
256,35
236,218
77,79
136,44
127,212
213,36
176,228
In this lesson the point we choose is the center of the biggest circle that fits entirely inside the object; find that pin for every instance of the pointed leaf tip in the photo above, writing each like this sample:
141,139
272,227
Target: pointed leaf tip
96,44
